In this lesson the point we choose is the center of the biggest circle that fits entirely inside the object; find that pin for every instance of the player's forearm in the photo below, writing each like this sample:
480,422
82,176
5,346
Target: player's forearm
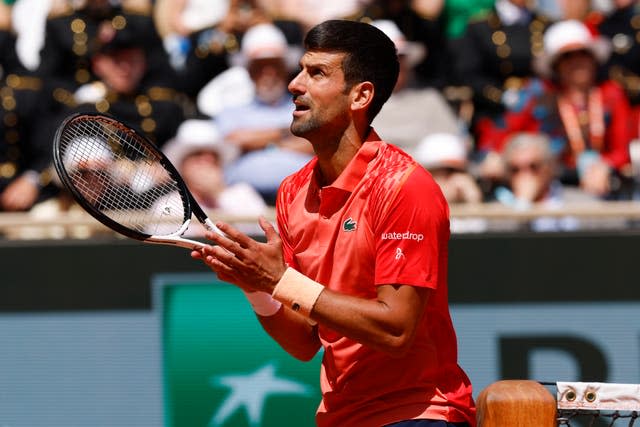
293,333
387,323
370,322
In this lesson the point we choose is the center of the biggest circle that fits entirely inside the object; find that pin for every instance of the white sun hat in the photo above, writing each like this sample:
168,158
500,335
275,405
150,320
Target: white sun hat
87,153
195,135
413,51
567,36
439,150
266,41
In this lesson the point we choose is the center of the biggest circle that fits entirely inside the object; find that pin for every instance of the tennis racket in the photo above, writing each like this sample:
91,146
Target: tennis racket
124,181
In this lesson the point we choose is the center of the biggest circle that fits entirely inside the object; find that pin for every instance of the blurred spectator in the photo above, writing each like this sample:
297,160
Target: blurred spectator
418,24
91,172
444,155
580,10
586,119
107,179
231,88
29,17
412,112
183,17
120,66
260,129
457,14
590,12
72,32
201,49
494,57
622,28
186,28
245,14
200,155
532,180
24,159
9,60
532,174
310,12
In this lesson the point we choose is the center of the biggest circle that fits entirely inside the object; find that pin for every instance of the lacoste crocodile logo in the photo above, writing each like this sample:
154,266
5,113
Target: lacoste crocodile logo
349,225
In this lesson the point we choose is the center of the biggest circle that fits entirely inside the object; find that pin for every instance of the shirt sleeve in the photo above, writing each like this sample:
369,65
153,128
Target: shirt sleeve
412,234
282,221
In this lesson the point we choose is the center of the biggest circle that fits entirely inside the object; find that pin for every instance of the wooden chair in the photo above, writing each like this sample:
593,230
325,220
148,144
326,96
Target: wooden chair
516,403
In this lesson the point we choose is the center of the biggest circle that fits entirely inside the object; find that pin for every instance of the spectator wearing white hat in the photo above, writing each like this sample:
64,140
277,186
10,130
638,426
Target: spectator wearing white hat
259,129
200,156
92,170
586,119
444,155
413,111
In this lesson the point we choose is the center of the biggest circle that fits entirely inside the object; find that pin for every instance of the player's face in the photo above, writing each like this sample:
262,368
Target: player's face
321,97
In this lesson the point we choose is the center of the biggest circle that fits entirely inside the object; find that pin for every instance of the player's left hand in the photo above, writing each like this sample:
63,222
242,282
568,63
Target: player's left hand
237,258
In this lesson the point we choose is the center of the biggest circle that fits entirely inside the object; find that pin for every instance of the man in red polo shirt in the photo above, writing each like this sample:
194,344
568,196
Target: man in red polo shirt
359,267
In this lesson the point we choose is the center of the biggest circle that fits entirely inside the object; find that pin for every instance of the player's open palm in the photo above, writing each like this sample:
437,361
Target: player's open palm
243,261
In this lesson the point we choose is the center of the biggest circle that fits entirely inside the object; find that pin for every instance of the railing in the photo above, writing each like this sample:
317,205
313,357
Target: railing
486,217
495,217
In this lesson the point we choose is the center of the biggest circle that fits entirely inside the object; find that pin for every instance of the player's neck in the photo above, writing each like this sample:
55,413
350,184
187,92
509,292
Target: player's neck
332,162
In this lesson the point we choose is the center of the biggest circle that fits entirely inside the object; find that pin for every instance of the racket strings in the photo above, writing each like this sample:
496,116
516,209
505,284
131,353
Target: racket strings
122,178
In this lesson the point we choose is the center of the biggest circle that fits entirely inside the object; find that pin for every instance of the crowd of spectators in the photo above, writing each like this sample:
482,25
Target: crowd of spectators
515,102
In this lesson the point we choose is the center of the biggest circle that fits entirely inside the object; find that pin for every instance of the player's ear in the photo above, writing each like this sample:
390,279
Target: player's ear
361,95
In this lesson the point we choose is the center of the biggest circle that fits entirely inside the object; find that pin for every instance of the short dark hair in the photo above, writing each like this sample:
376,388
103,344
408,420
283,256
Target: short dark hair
370,55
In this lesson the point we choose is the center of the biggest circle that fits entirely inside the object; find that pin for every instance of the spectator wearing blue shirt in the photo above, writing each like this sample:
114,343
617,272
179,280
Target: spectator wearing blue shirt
260,128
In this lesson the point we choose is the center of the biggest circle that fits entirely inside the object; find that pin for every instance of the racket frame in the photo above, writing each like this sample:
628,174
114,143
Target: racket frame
191,206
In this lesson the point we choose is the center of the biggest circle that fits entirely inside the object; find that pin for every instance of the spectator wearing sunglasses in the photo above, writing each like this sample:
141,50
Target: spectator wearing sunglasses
531,172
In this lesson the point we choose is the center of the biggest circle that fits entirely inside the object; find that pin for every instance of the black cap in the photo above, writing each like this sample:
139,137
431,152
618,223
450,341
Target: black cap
127,34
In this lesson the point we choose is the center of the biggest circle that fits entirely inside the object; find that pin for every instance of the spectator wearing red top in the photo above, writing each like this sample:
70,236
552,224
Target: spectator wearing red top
586,119
623,66
359,268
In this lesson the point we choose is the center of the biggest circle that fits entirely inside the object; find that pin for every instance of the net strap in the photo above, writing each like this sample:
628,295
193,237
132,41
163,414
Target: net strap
598,396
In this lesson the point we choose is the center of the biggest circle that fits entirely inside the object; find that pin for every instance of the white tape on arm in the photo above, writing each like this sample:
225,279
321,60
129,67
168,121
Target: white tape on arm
297,291
262,303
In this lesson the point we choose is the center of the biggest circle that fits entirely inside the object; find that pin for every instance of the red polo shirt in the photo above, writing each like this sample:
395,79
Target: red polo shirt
383,221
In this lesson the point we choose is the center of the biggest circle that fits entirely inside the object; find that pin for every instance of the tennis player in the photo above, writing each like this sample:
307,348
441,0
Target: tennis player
359,267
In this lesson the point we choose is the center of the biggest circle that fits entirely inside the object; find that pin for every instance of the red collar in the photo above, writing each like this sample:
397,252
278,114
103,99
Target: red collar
357,167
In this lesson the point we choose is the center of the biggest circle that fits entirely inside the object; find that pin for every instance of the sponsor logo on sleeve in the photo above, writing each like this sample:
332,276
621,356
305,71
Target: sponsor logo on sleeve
407,235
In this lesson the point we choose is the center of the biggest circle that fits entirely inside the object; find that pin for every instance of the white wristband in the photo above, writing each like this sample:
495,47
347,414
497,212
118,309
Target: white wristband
262,303
297,291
